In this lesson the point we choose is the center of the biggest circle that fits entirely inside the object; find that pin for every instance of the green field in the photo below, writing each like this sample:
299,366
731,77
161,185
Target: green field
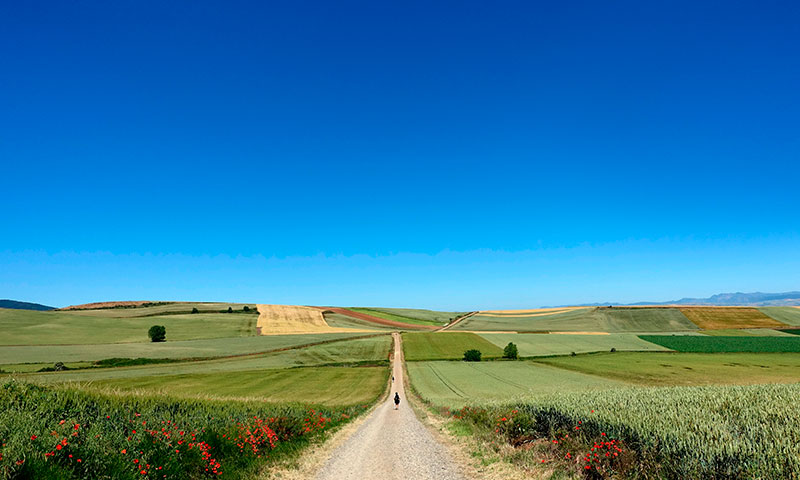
311,385
685,368
731,432
27,327
397,317
169,349
455,384
446,346
373,350
787,315
343,321
686,343
585,320
531,344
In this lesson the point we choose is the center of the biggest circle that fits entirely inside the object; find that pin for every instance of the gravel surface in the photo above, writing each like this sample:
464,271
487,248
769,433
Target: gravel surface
391,444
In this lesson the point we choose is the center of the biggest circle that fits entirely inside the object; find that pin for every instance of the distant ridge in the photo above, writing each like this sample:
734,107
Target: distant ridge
24,305
755,299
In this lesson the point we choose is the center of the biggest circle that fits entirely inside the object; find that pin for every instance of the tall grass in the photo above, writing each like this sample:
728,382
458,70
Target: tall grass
64,433
734,432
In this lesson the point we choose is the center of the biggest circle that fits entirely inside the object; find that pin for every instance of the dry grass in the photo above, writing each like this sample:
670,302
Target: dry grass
716,318
293,319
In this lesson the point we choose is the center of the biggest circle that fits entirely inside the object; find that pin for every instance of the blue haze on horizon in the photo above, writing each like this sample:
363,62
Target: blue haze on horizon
434,154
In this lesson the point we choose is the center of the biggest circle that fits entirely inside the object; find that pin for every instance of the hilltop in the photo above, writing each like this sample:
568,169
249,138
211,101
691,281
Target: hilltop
17,305
754,299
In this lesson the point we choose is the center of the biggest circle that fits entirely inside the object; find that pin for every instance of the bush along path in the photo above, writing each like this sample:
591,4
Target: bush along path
391,444
63,433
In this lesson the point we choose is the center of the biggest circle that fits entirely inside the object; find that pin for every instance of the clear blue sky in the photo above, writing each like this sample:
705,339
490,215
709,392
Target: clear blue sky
436,154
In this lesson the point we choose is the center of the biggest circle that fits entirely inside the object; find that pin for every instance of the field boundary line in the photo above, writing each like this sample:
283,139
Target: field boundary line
457,321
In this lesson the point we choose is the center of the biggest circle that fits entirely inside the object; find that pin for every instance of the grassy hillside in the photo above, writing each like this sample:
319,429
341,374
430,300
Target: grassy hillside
315,385
455,384
530,344
618,319
169,349
402,315
27,327
162,308
374,350
432,316
787,315
446,346
685,368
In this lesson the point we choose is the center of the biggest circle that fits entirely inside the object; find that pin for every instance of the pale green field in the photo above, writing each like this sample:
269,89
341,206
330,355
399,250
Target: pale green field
27,327
169,349
533,344
667,369
586,320
432,316
314,385
396,317
372,349
787,315
455,384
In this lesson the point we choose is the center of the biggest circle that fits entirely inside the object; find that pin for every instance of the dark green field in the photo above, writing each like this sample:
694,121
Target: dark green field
446,346
704,344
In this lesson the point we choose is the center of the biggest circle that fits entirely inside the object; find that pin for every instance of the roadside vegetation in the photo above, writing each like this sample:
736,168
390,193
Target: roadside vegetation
65,433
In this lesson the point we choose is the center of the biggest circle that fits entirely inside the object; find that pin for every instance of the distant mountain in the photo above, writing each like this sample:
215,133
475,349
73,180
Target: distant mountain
755,299
24,305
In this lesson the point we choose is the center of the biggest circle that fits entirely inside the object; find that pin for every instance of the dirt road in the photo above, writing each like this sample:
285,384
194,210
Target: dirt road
391,444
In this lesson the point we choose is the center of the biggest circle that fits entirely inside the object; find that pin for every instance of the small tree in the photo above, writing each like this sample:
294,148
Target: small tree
472,355
510,351
157,333
246,308
59,366
230,309
195,310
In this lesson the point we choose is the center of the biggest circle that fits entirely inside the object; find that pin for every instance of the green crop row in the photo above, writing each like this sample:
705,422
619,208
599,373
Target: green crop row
63,433
704,344
733,432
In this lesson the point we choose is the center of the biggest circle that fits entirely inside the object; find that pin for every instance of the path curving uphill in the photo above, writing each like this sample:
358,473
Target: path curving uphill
391,444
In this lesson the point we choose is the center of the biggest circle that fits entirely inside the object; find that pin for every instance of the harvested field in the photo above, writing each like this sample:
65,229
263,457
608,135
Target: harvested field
715,318
379,320
293,319
525,313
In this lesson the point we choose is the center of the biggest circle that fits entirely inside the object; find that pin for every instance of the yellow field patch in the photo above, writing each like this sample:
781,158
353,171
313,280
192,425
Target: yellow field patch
717,318
294,319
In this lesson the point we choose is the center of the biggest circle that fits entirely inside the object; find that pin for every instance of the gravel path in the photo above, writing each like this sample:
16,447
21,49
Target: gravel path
391,444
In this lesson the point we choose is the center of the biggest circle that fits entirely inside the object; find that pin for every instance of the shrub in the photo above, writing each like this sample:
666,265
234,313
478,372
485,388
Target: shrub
472,355
613,350
246,308
230,310
510,351
157,333
195,310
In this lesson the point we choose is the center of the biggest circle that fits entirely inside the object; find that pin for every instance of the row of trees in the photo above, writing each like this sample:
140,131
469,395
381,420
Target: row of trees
510,352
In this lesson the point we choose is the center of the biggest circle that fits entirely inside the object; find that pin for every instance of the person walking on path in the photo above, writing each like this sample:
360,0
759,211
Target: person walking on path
396,400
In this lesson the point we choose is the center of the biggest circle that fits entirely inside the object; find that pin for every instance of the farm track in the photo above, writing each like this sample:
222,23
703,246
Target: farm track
391,444
456,321
378,320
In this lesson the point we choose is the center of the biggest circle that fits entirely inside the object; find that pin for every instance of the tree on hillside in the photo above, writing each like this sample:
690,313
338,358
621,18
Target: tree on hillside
472,355
230,309
157,333
195,310
246,308
510,351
